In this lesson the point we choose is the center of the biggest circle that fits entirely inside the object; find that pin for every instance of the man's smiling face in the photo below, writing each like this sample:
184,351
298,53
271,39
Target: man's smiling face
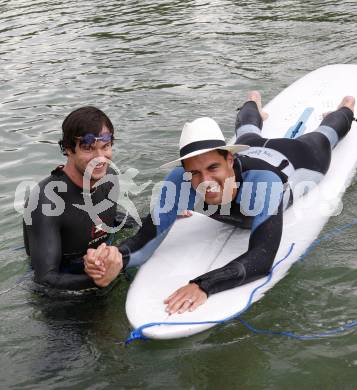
212,176
97,154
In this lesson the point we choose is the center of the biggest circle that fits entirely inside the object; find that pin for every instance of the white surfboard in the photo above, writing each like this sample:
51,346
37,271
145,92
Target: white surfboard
198,244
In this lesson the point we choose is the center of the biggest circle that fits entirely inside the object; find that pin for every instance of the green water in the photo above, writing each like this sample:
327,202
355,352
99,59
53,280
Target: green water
151,66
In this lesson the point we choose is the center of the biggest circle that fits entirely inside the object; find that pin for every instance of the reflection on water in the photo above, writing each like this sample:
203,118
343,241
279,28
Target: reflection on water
152,66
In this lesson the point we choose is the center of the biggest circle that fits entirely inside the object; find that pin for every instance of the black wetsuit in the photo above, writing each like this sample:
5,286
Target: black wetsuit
281,165
57,233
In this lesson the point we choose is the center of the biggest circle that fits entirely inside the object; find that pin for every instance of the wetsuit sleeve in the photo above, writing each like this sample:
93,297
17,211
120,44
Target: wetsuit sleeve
136,250
44,246
264,242
175,195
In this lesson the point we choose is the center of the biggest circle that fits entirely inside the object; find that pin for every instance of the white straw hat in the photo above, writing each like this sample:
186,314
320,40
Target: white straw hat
201,136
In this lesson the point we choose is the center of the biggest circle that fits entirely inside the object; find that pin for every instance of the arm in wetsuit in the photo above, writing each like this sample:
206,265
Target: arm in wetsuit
176,195
264,240
57,233
43,240
44,245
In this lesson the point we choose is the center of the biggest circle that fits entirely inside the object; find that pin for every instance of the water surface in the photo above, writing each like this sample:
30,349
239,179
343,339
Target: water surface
152,66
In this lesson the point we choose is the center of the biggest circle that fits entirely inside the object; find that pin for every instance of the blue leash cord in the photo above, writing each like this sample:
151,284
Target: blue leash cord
137,334
341,329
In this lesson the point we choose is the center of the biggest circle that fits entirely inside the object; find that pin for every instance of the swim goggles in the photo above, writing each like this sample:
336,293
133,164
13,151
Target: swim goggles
89,138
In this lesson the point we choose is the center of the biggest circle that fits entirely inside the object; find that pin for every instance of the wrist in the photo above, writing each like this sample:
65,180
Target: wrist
125,255
102,283
201,285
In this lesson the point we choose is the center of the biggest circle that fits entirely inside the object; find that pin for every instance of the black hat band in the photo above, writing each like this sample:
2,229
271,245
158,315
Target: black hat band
199,145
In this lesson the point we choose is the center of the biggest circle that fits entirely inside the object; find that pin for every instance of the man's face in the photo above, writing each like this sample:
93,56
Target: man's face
212,176
85,154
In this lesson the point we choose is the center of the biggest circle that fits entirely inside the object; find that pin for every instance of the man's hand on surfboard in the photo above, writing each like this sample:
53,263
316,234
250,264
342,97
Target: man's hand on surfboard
185,298
103,264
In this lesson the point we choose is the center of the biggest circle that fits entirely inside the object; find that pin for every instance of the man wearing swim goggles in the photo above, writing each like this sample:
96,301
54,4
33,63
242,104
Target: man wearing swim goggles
89,139
82,149
59,232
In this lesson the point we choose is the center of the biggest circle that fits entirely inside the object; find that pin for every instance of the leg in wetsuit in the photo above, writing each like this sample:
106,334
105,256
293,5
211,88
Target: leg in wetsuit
310,152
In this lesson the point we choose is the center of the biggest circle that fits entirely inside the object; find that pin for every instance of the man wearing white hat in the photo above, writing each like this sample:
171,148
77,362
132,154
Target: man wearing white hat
249,190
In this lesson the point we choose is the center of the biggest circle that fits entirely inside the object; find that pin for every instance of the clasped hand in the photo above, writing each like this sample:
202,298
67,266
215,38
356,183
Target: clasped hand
103,264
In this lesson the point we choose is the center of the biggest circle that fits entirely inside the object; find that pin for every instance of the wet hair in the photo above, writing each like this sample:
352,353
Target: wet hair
221,152
82,121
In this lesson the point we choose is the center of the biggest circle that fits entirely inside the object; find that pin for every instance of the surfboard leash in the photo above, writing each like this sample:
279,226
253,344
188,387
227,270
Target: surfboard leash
137,334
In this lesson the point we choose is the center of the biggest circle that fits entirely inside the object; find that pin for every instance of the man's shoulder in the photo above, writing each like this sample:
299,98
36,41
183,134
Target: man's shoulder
248,163
56,175
253,169
58,183
261,175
